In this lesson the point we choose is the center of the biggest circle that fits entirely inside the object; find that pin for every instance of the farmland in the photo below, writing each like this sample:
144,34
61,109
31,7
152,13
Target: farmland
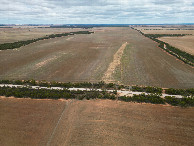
93,122
10,35
118,55
166,29
86,57
185,43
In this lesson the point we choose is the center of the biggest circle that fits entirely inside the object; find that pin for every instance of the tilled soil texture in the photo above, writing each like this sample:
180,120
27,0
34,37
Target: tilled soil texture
81,58
144,63
10,35
185,43
93,122
27,121
72,58
167,29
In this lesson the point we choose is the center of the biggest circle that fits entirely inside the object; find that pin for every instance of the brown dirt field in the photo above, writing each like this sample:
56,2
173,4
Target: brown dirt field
93,122
167,29
143,63
9,35
27,121
185,43
81,58
87,57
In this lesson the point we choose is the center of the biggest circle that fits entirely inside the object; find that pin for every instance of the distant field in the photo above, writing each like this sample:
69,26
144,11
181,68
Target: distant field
93,122
166,30
185,43
9,35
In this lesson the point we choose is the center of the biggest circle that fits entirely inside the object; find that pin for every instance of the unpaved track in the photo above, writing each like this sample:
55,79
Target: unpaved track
58,122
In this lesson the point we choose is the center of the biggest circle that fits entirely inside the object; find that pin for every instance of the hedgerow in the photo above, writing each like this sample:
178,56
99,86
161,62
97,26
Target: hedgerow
147,89
152,98
25,92
32,82
183,102
185,92
19,44
181,55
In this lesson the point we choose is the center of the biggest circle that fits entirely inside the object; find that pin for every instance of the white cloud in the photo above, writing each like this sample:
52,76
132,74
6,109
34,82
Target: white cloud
96,11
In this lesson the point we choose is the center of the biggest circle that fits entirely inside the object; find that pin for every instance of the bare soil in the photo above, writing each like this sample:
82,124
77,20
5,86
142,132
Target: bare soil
93,122
143,63
185,43
167,29
87,57
27,121
10,35
77,58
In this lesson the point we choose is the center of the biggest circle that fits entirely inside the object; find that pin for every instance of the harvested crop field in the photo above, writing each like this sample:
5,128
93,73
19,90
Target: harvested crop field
163,31
73,58
185,43
10,35
93,122
167,29
87,57
143,63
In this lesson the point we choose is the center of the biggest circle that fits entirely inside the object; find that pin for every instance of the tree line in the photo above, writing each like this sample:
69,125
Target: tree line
25,92
181,55
147,89
101,85
19,44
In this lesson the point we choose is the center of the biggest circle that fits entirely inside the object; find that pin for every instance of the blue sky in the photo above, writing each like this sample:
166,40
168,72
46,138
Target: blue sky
96,11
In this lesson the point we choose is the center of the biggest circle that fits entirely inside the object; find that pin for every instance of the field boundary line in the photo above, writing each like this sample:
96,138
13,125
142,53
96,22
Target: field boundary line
107,77
54,130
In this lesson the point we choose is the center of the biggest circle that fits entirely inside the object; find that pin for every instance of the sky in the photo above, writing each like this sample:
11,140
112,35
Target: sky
96,11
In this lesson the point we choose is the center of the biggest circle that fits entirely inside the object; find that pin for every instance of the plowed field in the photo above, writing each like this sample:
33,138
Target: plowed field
93,122
81,58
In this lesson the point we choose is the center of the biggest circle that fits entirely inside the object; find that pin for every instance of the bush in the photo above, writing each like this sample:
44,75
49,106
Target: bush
184,92
147,89
183,102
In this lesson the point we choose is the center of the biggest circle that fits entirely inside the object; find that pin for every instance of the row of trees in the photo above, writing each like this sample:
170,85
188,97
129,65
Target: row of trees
32,82
181,55
80,95
25,92
147,89
184,92
183,102
100,85
19,44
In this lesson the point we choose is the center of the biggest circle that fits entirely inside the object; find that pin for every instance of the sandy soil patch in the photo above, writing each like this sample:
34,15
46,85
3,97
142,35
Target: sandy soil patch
116,61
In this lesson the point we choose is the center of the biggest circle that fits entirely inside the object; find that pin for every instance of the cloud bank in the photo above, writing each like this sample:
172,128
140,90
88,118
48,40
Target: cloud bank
96,11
